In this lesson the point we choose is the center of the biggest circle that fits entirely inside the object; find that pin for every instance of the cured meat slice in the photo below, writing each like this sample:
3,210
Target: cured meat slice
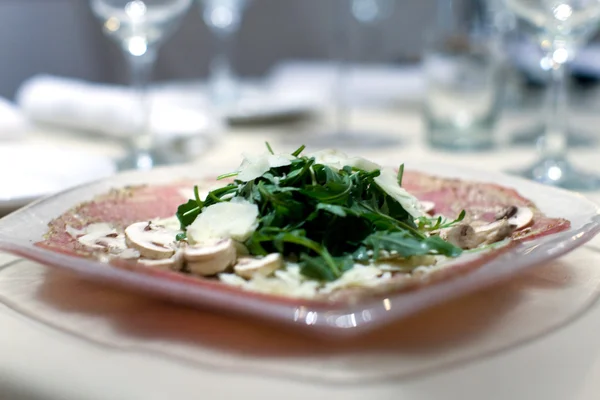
119,208
481,201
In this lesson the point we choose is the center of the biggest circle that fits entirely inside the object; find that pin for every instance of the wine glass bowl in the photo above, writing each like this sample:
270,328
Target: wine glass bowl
560,27
140,27
137,22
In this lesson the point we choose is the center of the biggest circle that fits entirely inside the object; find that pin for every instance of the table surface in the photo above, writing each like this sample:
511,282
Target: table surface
37,362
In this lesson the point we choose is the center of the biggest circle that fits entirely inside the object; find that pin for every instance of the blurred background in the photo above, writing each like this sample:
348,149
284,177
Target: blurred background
141,83
62,37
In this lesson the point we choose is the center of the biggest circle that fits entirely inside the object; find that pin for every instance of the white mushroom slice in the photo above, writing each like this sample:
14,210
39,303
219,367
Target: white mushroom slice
115,243
152,241
494,232
103,237
428,206
174,263
129,254
168,223
248,267
462,235
210,259
520,217
99,227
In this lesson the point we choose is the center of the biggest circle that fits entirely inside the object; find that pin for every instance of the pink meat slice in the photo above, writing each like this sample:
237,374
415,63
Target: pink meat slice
120,208
481,201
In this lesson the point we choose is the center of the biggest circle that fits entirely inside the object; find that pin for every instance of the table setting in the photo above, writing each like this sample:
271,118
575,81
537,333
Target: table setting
500,106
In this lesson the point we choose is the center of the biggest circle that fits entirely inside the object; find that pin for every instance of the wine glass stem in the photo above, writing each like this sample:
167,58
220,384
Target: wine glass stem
222,62
141,67
554,142
223,79
342,111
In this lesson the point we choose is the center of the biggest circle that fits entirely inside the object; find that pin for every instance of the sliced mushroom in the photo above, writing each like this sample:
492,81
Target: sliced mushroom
248,267
210,259
462,235
495,231
152,241
103,237
520,217
174,263
469,237
168,223
129,254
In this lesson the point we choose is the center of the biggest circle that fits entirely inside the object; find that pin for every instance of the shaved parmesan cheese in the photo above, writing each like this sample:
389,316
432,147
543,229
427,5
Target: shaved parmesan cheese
338,160
388,182
359,276
235,220
74,233
254,166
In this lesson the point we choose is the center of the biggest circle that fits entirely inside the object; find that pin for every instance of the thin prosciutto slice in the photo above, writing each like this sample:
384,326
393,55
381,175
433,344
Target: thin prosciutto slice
481,201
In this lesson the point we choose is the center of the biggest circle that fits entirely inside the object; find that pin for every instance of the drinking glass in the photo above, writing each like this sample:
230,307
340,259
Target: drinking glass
223,18
368,12
560,27
463,74
139,27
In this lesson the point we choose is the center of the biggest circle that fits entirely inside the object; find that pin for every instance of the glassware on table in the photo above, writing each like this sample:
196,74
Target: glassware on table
223,18
139,27
561,27
463,78
364,12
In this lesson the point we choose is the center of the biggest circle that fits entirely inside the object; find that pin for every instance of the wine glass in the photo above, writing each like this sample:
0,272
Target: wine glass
223,18
139,27
366,12
561,27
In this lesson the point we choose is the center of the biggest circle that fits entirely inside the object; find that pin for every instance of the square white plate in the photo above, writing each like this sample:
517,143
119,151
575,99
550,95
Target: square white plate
20,230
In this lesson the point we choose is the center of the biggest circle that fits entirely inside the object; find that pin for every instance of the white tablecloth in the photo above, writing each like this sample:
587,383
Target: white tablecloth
38,361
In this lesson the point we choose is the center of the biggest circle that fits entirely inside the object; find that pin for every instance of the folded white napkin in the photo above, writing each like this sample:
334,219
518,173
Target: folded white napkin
106,109
362,84
13,123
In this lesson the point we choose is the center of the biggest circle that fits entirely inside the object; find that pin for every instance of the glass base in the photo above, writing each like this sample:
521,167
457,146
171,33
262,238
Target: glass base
350,139
445,136
142,161
562,174
530,137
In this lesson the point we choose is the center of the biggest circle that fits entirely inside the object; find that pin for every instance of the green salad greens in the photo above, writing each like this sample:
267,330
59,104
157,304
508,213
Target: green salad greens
323,217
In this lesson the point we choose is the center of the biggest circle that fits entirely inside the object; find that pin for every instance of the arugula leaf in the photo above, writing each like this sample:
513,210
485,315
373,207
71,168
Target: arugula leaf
269,148
298,151
334,209
228,175
187,213
435,224
400,174
407,245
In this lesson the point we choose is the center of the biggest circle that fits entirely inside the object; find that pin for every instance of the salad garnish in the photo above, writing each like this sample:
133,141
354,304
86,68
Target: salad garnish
324,211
